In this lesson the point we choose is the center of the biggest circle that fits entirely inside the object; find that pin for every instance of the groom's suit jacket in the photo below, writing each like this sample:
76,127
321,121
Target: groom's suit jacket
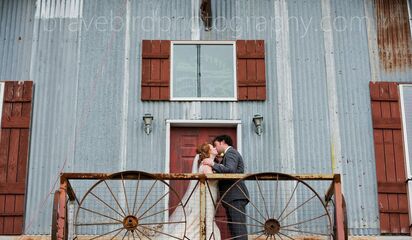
232,162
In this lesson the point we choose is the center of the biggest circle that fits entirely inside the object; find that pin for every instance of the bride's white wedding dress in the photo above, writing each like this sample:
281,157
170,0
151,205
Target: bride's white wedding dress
192,210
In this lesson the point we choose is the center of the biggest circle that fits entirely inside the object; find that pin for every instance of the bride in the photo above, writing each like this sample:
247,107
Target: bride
192,208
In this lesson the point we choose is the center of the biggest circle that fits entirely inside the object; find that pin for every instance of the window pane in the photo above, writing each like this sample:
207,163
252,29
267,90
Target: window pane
217,71
184,70
407,101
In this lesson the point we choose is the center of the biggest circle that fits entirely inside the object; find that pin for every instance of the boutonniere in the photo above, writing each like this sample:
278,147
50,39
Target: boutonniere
222,154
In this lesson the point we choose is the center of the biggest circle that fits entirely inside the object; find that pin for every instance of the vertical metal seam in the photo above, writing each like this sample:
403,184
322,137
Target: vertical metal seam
195,31
76,97
126,83
285,98
372,40
331,88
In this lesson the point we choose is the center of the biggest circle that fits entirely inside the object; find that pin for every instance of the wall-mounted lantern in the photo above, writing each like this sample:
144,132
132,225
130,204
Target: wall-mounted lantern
147,119
257,120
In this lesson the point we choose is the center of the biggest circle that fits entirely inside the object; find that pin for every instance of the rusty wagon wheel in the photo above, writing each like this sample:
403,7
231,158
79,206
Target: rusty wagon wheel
55,218
131,205
280,207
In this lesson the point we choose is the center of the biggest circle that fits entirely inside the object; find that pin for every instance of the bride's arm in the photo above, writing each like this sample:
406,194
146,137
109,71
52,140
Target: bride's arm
205,169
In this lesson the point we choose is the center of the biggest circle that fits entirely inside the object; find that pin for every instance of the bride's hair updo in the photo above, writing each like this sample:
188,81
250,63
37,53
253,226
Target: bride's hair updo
203,151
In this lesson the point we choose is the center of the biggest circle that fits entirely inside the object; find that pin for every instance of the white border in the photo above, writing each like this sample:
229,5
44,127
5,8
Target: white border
2,84
406,148
197,123
405,137
409,2
234,98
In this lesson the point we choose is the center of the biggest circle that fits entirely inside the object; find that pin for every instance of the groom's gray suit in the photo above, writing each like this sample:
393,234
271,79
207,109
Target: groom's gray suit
236,199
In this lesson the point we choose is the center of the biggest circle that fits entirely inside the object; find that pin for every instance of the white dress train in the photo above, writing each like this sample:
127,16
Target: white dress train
192,210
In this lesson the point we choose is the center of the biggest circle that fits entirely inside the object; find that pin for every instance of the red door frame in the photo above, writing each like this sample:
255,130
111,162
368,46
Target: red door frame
204,124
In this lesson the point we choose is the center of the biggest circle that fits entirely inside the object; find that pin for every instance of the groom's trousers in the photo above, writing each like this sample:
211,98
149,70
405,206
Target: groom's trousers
236,213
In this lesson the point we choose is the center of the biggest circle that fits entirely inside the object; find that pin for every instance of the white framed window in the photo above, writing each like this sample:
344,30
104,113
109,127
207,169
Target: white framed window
406,108
406,111
203,71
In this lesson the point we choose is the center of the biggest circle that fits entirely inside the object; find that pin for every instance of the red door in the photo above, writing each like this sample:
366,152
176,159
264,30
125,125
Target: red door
183,144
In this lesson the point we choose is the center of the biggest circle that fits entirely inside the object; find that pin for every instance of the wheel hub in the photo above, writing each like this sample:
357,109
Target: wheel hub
130,222
272,226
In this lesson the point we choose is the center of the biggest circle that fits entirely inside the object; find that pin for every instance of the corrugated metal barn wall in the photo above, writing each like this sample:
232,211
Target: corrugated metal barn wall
84,57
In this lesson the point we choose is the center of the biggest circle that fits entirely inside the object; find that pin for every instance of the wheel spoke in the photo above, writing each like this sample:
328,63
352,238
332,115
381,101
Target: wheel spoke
92,224
308,220
211,195
116,234
261,235
250,201
164,195
135,195
104,234
300,231
141,204
284,235
143,233
248,224
133,235
101,214
263,198
138,235
125,196
118,204
159,232
297,208
125,234
287,204
242,212
151,215
161,223
105,203
244,235
191,193
276,194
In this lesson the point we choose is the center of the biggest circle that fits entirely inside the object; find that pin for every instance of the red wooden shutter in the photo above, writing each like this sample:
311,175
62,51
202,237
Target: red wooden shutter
155,70
389,157
14,146
251,73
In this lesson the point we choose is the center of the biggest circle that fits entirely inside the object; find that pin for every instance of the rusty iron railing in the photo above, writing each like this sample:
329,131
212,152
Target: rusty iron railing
67,193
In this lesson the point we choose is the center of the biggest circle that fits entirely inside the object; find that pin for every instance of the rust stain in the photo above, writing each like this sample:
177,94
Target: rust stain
394,37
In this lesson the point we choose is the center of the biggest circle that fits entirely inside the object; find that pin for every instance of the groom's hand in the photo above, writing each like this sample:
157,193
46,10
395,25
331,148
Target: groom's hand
209,162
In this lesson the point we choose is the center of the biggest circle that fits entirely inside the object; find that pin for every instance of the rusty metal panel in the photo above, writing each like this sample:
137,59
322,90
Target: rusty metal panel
393,35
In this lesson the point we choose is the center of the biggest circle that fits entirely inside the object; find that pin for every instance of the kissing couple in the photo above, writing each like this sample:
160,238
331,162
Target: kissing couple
234,201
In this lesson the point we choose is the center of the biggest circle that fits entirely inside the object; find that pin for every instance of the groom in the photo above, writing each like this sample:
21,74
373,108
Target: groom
236,199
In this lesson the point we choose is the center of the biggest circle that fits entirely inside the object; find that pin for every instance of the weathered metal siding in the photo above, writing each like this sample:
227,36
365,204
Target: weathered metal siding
54,70
310,98
87,112
352,77
16,35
